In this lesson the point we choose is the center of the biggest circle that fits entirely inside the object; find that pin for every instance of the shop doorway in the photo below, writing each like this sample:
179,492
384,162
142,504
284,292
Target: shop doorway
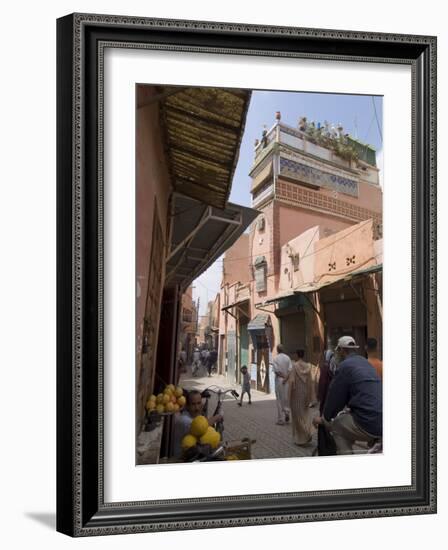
346,318
292,332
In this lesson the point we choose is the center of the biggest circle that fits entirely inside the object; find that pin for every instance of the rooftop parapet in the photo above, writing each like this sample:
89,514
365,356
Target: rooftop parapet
324,137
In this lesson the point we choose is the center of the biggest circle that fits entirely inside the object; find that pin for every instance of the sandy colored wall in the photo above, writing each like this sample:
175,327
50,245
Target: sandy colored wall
236,261
331,205
369,196
303,246
347,251
152,180
295,221
187,298
261,242
378,250
222,315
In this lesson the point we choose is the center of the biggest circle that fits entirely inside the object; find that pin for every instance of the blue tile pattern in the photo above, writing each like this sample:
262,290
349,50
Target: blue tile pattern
307,174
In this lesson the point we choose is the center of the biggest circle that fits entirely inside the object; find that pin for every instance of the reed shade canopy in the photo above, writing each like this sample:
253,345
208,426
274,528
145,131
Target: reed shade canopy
203,128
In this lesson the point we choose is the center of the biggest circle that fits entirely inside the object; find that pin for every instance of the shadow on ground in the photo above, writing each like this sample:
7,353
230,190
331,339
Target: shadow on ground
256,421
48,519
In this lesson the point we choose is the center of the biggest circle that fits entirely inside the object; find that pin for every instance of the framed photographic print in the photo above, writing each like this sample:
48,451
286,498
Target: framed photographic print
246,275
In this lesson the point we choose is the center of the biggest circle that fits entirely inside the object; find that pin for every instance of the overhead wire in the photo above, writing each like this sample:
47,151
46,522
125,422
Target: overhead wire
305,255
377,120
250,257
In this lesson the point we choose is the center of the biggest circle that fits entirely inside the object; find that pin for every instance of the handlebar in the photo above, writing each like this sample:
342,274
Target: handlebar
219,392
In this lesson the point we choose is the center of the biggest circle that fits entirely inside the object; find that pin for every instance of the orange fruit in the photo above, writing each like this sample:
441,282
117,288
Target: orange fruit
166,398
181,401
150,405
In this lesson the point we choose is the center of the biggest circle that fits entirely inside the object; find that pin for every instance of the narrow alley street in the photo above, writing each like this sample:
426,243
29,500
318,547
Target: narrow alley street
257,421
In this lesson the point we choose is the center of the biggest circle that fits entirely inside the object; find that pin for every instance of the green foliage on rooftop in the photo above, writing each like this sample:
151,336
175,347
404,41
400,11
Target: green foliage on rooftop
342,144
365,152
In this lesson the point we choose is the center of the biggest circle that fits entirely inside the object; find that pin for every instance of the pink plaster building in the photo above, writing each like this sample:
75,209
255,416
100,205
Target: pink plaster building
312,266
188,328
235,289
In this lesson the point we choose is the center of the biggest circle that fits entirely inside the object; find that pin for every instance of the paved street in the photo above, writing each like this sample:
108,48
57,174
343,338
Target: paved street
256,421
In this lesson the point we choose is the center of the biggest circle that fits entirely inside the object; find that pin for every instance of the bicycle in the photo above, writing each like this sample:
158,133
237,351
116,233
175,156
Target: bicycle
237,449
220,395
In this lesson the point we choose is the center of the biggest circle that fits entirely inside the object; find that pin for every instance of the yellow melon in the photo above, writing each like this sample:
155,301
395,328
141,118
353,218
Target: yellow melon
188,441
199,426
211,437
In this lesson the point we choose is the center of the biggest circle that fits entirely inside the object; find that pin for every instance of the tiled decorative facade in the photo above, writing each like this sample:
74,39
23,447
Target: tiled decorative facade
307,174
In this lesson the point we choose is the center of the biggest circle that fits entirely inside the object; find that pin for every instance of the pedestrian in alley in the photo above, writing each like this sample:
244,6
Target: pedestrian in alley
245,385
300,383
204,356
182,361
325,442
281,365
196,362
211,360
353,409
328,368
315,373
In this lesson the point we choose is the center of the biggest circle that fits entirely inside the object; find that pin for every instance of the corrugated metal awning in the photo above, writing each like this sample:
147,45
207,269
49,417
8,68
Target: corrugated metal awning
277,298
200,234
235,304
259,322
314,287
203,128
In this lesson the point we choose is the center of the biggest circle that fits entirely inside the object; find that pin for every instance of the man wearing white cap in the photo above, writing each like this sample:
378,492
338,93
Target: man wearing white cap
353,409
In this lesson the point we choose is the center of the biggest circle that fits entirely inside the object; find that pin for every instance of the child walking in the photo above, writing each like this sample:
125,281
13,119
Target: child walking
245,385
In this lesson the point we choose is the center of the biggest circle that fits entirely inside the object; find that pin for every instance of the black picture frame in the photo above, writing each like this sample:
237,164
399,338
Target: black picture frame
81,510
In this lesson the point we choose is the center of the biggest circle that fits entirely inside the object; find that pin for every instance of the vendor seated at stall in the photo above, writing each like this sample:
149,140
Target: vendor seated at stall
182,422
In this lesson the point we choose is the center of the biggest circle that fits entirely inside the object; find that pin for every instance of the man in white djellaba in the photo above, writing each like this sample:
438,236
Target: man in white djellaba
281,365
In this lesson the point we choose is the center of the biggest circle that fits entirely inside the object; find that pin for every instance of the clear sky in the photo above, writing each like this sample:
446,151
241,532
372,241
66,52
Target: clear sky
360,115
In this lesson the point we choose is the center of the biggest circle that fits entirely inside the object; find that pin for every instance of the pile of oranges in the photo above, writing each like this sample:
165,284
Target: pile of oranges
171,400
